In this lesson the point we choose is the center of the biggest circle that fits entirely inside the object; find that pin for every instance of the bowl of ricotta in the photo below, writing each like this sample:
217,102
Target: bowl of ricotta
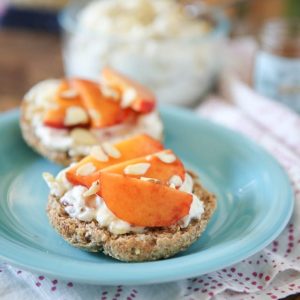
170,47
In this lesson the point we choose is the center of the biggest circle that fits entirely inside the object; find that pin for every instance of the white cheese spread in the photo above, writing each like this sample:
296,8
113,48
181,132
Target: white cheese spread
77,206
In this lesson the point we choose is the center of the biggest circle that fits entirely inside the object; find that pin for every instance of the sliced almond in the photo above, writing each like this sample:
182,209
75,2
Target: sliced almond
149,179
175,180
86,169
172,186
166,157
98,153
128,97
49,178
110,92
69,94
81,136
111,150
75,115
95,115
94,189
137,169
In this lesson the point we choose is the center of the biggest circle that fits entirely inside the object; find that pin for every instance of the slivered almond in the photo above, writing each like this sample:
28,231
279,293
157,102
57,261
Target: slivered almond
128,97
166,157
175,180
69,94
75,115
98,153
137,169
110,92
94,188
86,169
111,150
172,186
149,179
95,115
83,136
49,178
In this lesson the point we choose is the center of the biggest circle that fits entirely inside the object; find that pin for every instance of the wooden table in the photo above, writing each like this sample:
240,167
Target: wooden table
25,59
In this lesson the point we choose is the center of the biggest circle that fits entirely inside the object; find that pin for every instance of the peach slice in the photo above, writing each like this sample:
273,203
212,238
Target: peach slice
142,203
136,146
104,111
140,99
65,98
150,167
55,118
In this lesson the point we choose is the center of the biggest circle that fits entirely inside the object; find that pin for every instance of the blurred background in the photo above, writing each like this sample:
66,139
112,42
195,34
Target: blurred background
38,42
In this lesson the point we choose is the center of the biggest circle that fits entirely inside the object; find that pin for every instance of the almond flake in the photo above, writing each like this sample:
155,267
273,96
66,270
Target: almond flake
69,94
111,150
110,92
98,153
95,115
49,178
128,97
172,186
86,169
137,169
175,180
94,188
75,115
81,136
166,157
149,179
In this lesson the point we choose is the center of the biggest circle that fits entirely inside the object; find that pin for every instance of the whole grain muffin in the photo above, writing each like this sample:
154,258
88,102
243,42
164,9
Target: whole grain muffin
151,244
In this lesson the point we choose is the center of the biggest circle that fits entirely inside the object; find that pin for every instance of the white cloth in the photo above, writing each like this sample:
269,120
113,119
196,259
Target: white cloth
272,273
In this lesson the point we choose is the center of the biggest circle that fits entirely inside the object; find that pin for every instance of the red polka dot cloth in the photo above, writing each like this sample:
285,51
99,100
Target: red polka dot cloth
273,273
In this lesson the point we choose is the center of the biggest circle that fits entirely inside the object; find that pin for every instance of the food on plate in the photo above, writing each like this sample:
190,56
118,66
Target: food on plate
63,119
135,202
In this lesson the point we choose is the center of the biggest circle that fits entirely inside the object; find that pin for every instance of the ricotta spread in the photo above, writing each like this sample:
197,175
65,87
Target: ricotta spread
94,207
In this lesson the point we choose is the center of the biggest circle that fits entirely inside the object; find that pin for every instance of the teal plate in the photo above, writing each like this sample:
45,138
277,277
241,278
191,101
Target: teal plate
254,196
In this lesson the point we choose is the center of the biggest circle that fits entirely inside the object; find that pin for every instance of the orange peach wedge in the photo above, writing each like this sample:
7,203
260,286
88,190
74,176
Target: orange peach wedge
104,111
142,203
161,166
100,158
134,95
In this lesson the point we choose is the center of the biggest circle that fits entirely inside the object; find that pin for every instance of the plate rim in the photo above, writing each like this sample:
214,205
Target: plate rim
167,272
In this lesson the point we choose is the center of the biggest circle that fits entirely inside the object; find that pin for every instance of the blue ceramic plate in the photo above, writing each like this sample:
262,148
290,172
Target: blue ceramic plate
254,205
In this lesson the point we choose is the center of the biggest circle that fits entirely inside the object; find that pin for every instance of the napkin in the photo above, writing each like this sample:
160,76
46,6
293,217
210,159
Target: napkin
273,273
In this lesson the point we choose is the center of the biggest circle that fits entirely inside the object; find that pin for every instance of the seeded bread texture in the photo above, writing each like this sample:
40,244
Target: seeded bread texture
153,244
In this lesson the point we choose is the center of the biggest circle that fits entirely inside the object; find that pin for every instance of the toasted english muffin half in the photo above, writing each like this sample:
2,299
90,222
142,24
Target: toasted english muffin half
152,244
65,146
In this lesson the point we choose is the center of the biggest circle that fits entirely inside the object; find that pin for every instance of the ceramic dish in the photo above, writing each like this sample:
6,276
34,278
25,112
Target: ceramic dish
254,204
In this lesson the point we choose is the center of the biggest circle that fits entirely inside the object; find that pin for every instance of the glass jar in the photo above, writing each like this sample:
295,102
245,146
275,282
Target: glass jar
277,66
178,69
